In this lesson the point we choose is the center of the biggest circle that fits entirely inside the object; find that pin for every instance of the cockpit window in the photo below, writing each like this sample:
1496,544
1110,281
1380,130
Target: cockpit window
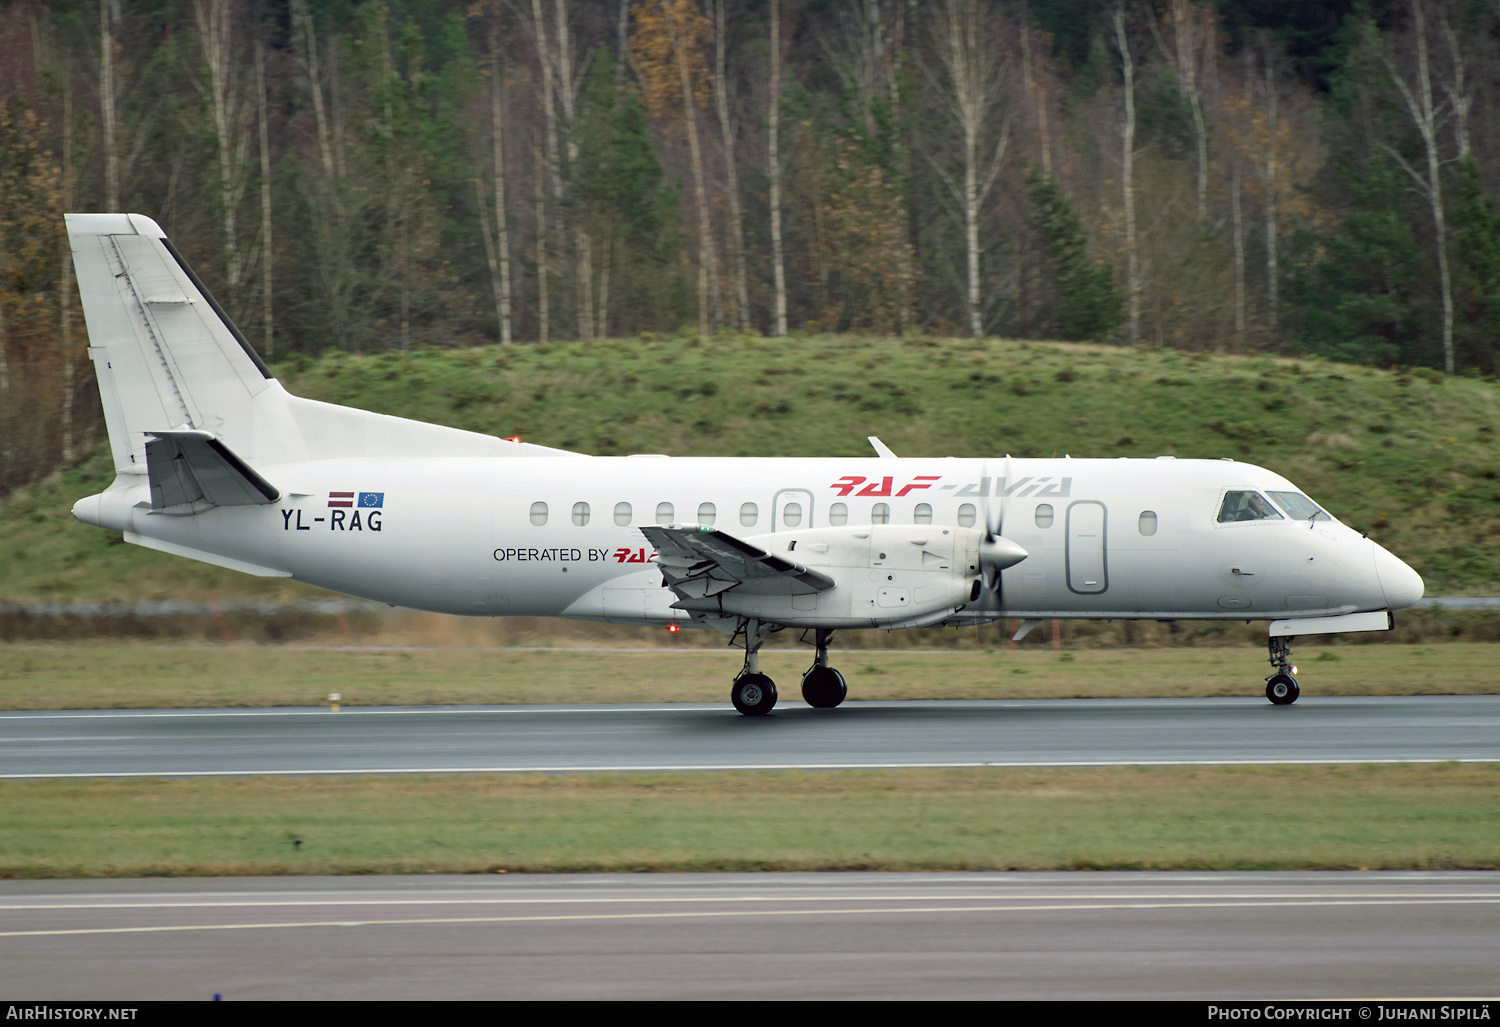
1298,507
1246,506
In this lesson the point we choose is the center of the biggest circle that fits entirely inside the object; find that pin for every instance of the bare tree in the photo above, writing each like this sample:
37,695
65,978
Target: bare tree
778,263
1192,39
215,22
500,270
267,259
583,244
1127,181
1428,120
107,109
65,271
1035,92
969,55
728,129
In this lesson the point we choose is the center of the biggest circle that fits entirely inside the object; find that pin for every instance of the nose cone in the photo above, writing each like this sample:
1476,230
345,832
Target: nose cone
1402,585
998,553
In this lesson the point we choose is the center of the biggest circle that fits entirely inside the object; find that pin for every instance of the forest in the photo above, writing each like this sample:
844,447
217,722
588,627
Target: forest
1314,178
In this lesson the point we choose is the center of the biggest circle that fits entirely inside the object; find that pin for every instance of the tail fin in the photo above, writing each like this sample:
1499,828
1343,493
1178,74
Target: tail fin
171,364
166,354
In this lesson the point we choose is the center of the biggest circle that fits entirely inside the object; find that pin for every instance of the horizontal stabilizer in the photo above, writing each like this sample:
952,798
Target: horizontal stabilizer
187,468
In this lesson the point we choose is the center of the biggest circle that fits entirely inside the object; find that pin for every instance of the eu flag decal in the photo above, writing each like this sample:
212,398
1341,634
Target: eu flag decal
372,500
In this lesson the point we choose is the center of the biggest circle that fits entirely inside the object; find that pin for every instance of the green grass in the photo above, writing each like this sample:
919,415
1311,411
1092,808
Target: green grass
145,676
1243,818
1412,458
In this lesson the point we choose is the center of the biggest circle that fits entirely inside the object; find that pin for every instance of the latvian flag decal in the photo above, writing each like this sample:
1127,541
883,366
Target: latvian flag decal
367,500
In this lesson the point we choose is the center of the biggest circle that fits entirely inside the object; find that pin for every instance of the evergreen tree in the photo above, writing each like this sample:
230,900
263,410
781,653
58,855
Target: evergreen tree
1360,298
1082,300
1477,270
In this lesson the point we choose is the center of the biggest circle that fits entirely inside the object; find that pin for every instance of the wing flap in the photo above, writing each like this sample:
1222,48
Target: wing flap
701,562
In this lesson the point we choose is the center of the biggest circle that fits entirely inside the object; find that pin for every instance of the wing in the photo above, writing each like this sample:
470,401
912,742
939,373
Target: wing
700,562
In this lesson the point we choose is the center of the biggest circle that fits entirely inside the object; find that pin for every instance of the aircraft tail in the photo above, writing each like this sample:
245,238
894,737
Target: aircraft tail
172,365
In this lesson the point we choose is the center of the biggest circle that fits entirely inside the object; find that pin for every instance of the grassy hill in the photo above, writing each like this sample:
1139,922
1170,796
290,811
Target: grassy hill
1412,458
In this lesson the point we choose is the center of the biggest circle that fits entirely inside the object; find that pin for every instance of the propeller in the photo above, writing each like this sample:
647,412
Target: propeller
995,551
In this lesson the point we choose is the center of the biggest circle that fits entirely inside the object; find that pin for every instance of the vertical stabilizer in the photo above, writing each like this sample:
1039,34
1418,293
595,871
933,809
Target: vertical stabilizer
166,354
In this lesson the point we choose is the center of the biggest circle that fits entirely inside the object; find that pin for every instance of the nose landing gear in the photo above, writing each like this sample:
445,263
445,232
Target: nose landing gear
822,686
1281,687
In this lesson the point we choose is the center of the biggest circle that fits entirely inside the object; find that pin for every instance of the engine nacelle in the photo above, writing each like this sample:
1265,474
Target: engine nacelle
884,575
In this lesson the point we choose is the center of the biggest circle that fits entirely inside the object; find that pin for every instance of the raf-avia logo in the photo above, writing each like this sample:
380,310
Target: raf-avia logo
886,486
347,511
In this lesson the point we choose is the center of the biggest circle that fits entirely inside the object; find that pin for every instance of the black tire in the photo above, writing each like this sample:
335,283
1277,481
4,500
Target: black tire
753,694
1283,690
824,688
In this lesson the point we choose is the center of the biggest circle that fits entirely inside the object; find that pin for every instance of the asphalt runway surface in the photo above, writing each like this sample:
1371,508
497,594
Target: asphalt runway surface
934,936
1097,732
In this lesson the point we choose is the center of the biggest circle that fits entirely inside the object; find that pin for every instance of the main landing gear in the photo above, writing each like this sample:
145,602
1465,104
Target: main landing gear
822,686
1281,687
754,694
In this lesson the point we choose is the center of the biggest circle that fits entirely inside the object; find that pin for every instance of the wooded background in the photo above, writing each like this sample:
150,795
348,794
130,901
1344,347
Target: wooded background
1241,176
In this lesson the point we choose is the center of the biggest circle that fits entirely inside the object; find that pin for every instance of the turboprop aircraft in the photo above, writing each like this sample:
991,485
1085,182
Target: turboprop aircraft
215,461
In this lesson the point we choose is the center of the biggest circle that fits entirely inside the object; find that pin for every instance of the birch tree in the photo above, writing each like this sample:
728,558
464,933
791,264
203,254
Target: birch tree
1192,42
1417,96
778,261
967,49
267,248
1127,180
107,108
215,24
500,268
729,131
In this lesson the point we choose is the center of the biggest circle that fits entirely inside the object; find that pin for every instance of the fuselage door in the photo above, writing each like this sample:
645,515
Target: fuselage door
792,508
1088,571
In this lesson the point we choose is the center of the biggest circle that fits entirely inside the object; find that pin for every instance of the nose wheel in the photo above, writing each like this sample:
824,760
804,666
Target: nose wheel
1281,687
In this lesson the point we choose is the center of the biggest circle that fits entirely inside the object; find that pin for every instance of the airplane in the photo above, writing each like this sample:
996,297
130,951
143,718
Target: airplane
216,461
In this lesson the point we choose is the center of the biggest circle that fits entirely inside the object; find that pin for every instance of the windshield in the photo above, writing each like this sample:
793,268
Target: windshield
1299,507
1246,506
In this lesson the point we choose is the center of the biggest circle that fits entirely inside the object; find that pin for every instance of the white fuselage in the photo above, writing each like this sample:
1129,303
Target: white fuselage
490,536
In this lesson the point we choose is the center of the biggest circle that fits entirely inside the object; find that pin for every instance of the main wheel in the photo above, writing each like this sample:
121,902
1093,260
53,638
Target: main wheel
753,694
1283,690
824,688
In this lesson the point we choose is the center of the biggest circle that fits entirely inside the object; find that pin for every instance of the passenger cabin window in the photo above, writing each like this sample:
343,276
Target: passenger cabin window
539,514
622,514
707,513
791,515
749,514
1246,506
838,515
1298,507
1148,522
664,513
966,516
580,514
880,513
922,514
1044,515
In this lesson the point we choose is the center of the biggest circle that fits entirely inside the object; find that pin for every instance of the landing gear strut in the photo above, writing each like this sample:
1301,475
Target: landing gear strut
822,686
1281,688
753,693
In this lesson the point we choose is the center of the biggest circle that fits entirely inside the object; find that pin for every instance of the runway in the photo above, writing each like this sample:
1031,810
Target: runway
1038,936
1090,732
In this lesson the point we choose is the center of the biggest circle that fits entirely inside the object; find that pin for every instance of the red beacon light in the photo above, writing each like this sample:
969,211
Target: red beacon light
512,438
673,628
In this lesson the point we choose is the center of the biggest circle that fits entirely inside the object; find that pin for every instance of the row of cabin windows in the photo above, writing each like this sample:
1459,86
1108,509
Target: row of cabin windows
791,515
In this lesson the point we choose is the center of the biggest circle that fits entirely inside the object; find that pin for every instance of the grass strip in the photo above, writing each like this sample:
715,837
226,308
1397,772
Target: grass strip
124,675
1439,816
